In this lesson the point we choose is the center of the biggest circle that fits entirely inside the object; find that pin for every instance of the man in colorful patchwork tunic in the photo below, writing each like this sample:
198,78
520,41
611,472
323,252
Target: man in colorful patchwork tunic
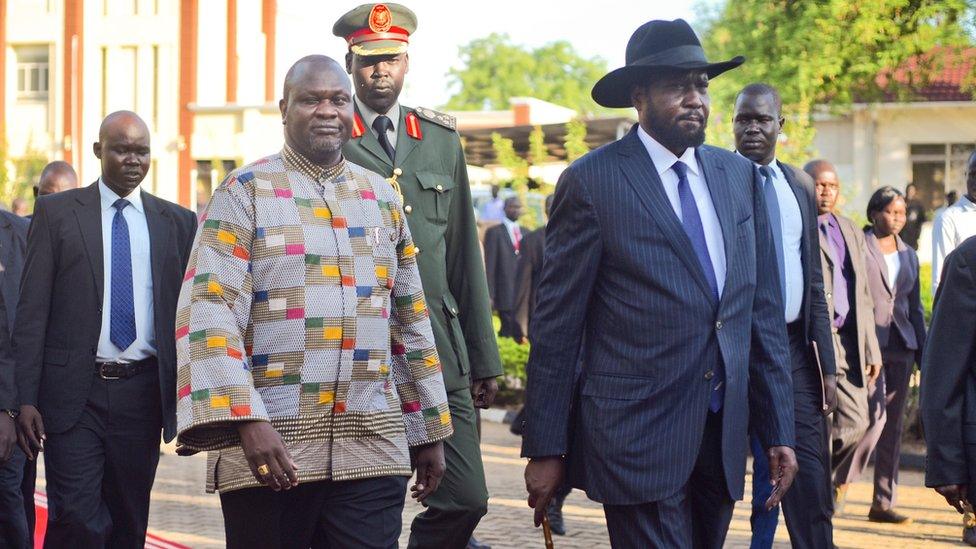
307,366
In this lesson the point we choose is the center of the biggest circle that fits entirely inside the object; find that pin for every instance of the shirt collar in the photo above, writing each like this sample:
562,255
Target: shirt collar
773,165
662,158
108,197
294,160
828,218
509,223
964,203
369,115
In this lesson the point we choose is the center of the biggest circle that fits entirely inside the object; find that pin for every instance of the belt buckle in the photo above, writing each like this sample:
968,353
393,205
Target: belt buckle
101,373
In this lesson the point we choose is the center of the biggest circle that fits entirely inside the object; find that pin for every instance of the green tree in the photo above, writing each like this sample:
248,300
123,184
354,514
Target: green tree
824,52
538,154
495,69
575,140
19,181
509,159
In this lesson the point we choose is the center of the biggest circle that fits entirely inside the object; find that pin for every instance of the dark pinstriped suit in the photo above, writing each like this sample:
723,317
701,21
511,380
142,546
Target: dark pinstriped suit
620,274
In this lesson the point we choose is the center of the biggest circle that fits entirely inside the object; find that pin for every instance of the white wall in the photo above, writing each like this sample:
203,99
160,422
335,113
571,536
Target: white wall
870,146
140,42
212,53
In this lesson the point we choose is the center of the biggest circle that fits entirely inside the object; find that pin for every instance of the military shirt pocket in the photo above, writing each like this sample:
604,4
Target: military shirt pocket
437,195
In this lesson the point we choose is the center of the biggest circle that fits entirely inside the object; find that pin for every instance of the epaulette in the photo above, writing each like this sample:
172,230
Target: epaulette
438,118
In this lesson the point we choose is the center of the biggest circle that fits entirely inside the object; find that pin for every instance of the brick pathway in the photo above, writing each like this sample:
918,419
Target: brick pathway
182,512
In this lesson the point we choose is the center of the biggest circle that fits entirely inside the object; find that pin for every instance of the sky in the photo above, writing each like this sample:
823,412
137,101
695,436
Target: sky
599,28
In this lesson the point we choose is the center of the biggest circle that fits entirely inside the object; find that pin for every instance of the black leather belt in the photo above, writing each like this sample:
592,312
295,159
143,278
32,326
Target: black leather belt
123,370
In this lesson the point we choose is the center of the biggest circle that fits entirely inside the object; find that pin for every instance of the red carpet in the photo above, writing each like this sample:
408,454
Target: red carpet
40,504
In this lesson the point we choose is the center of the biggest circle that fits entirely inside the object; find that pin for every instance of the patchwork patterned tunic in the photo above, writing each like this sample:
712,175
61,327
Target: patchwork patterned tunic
302,306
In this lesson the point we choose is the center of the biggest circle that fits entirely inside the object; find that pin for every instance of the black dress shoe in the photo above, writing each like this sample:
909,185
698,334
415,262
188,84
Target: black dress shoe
556,522
969,536
475,544
888,516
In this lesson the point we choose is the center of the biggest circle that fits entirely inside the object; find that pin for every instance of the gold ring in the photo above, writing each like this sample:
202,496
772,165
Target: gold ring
264,470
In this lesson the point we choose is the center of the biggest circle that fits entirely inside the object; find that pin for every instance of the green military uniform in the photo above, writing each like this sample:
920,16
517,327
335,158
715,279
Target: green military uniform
432,176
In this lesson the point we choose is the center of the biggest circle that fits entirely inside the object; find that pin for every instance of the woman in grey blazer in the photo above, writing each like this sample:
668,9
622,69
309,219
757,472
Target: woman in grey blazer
893,278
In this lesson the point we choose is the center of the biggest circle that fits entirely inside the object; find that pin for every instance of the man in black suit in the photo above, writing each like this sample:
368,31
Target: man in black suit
948,392
16,471
502,247
756,123
8,415
660,282
528,273
94,342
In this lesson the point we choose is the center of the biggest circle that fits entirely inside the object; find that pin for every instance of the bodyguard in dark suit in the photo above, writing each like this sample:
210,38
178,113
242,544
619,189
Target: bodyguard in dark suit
659,257
94,342
503,245
528,274
16,471
856,350
14,531
893,278
756,123
948,392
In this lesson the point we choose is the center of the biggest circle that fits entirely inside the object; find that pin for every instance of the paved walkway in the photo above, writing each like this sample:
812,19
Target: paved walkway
183,513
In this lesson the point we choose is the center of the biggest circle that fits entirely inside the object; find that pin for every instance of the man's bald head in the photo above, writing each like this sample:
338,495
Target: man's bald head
826,184
816,167
121,119
317,109
56,177
123,149
309,63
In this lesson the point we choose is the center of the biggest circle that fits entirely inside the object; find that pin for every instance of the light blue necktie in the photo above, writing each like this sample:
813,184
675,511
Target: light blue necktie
692,224
122,326
775,225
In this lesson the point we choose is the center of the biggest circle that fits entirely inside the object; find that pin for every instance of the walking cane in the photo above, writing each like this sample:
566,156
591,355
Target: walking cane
546,531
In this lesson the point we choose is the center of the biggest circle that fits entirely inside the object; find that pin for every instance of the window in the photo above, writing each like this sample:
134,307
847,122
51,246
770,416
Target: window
32,72
938,169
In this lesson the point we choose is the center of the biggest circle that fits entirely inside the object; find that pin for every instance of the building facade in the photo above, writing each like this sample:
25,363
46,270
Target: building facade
180,65
925,139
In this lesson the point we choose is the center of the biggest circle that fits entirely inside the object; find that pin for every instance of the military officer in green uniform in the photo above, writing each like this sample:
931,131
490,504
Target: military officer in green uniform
420,153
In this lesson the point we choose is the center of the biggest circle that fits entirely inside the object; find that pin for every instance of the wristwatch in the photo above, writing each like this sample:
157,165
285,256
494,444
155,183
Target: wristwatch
12,413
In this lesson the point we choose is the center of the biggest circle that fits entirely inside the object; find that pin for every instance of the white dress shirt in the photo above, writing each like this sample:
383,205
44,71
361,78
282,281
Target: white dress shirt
792,224
144,345
893,262
511,227
958,223
663,159
369,115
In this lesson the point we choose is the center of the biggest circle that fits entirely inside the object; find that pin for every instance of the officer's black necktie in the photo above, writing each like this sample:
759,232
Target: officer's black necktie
383,124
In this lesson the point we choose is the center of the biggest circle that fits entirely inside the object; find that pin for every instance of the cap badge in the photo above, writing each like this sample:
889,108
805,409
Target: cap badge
380,18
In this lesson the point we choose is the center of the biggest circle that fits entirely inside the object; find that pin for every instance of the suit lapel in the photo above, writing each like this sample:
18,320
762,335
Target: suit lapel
160,227
371,144
89,216
405,144
825,248
902,281
718,188
643,178
874,250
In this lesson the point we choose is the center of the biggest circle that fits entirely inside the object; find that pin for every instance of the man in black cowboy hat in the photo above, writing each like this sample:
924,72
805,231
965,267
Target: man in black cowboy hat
659,255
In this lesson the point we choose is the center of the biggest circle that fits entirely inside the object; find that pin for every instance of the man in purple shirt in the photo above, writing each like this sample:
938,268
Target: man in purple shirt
858,356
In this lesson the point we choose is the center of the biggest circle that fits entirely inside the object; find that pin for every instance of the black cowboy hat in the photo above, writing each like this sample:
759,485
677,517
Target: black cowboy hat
654,46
